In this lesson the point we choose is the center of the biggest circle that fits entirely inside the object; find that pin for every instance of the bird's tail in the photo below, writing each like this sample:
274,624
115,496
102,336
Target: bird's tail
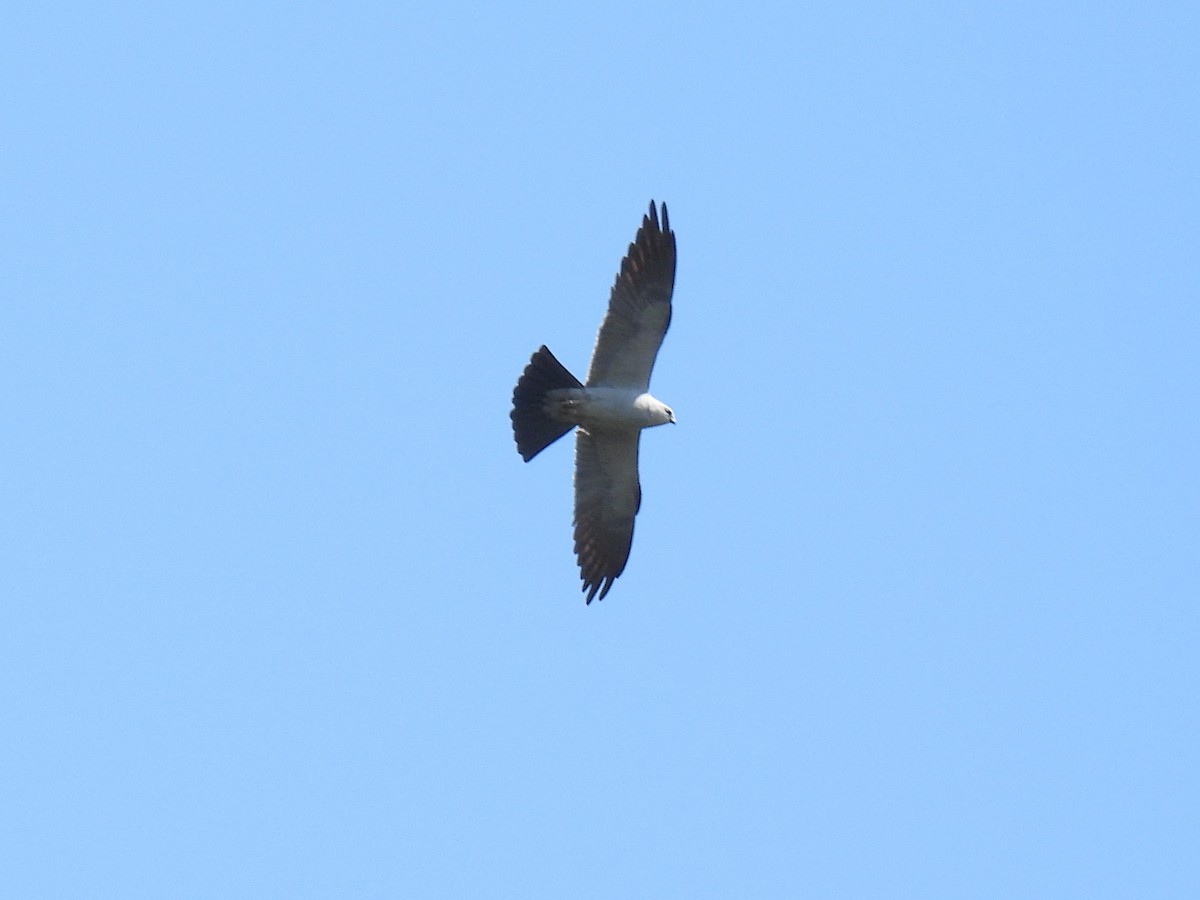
533,429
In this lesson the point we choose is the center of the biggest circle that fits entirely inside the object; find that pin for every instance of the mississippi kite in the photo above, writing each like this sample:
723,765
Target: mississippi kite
611,409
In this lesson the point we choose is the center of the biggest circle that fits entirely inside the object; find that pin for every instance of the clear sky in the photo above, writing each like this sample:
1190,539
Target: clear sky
912,609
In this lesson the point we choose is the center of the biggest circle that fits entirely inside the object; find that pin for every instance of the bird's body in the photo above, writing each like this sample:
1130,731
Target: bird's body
607,408
611,410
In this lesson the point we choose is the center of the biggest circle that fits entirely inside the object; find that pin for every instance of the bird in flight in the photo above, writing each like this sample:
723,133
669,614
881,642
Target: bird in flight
611,409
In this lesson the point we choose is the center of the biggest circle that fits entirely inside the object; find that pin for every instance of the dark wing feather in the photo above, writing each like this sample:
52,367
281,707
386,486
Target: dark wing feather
607,497
639,309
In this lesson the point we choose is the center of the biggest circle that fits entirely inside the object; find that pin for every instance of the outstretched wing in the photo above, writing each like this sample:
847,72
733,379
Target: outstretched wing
639,309
607,497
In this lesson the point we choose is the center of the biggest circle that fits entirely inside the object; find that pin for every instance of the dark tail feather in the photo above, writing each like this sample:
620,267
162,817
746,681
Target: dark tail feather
533,429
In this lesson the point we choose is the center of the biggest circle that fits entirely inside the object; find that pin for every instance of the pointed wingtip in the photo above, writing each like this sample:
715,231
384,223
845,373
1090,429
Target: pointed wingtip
601,587
652,217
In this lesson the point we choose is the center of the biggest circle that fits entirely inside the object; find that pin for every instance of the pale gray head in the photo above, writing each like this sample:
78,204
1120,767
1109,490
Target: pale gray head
657,412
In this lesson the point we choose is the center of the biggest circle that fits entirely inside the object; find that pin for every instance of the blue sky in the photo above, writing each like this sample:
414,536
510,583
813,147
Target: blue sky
912,605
